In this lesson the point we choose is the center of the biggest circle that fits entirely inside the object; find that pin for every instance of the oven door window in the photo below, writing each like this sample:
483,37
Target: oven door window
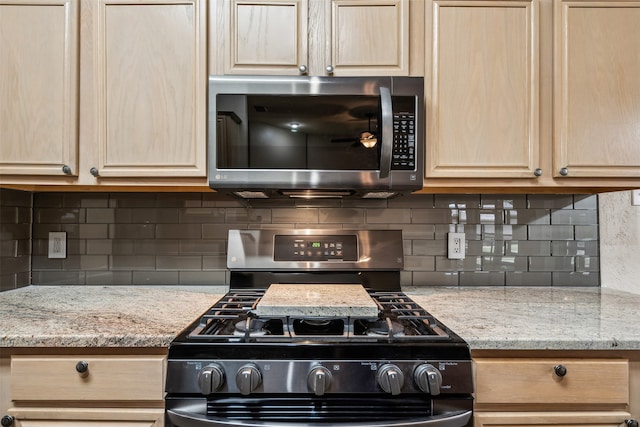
303,132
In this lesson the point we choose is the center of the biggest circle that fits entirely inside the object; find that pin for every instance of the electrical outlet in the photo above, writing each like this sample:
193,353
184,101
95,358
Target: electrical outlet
456,245
635,197
57,244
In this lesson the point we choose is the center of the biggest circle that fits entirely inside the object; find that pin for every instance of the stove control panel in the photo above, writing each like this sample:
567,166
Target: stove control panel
393,377
315,248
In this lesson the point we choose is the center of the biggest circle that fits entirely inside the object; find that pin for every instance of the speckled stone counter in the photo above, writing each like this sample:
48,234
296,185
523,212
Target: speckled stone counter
536,318
96,316
487,318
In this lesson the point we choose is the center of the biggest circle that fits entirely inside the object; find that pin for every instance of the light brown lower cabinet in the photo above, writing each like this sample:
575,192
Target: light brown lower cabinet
562,419
87,390
561,392
87,417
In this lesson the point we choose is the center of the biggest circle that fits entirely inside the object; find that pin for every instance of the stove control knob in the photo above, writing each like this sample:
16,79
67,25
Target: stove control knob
428,379
390,378
319,380
248,378
210,378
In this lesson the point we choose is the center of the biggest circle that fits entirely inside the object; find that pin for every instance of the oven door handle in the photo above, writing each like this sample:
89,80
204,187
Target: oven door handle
386,149
447,419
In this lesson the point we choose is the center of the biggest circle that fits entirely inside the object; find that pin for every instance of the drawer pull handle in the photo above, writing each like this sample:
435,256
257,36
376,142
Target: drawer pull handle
82,367
628,423
6,421
560,370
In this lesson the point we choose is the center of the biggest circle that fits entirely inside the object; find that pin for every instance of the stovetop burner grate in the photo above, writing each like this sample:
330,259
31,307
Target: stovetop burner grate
232,319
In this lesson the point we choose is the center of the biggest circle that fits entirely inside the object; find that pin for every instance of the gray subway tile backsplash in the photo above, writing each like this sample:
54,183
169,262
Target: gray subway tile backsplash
180,238
15,238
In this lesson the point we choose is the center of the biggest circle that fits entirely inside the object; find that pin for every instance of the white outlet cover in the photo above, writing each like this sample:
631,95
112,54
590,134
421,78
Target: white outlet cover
456,245
57,244
635,197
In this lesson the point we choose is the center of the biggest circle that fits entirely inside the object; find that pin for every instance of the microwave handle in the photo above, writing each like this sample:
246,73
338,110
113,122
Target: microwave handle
387,132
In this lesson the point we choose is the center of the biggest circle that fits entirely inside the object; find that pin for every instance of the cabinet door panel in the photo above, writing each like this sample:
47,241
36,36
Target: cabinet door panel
36,378
265,37
83,423
87,416
370,37
38,87
597,89
555,419
482,89
151,85
532,381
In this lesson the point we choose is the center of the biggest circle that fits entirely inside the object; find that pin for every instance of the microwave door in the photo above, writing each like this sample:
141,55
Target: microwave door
387,132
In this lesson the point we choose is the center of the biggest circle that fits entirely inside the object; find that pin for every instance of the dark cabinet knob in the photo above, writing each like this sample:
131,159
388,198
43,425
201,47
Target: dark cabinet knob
82,367
66,170
537,172
564,171
7,421
628,423
560,370
94,171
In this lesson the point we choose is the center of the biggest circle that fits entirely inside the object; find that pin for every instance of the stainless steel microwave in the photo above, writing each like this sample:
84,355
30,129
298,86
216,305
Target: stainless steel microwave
315,136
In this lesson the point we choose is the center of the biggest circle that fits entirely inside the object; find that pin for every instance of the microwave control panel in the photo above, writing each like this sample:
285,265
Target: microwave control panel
404,141
315,248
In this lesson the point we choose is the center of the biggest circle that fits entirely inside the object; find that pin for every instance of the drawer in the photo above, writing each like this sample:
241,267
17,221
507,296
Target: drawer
108,378
534,381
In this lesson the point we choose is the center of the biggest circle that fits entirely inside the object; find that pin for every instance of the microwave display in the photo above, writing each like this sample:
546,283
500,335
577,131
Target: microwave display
311,132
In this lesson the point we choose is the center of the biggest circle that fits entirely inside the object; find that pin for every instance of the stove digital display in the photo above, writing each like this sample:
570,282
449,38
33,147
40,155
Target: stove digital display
315,248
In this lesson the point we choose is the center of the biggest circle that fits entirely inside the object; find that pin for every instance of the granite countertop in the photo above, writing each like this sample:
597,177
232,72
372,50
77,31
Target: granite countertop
536,318
98,316
488,318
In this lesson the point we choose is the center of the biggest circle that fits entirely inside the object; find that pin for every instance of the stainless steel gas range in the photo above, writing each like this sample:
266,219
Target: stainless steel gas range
315,331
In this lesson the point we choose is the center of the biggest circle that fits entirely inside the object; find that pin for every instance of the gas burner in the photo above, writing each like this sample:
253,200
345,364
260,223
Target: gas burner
256,328
252,327
384,327
317,327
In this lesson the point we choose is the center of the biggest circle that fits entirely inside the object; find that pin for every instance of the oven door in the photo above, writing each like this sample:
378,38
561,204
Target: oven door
344,411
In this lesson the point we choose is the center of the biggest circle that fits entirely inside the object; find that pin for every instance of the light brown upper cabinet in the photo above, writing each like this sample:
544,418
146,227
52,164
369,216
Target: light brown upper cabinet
39,87
597,89
150,88
314,37
103,92
482,89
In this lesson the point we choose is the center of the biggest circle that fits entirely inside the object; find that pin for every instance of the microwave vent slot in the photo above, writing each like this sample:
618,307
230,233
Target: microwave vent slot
251,194
379,195
316,194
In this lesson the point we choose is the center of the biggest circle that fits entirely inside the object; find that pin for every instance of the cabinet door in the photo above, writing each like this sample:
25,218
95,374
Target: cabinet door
264,37
597,89
150,84
85,423
87,417
39,87
558,419
369,37
482,88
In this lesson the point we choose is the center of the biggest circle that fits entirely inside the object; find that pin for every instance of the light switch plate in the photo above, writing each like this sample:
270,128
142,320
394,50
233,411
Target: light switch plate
635,197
